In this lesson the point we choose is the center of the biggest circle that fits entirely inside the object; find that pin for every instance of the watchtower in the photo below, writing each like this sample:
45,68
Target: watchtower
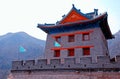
77,35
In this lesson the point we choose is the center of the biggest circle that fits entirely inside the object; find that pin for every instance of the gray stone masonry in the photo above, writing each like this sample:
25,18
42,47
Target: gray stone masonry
103,62
97,40
64,75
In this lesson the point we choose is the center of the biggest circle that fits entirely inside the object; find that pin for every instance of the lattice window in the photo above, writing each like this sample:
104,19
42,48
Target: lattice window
56,53
86,51
71,38
70,52
58,39
57,42
86,37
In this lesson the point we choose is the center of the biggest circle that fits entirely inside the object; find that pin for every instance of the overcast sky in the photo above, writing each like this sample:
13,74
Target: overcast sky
24,15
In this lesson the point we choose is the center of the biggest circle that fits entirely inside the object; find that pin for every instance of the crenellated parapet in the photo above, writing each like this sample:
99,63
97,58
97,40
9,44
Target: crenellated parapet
102,63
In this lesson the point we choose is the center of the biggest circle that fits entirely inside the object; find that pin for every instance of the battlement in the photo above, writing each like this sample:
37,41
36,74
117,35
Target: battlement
102,62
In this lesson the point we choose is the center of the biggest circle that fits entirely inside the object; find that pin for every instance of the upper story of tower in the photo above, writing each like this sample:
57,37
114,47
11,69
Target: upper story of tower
77,35
76,20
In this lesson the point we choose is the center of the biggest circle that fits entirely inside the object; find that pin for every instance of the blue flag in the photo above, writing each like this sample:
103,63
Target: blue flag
57,44
22,49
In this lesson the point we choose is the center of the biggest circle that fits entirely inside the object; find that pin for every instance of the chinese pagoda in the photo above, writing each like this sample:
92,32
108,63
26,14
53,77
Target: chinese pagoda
77,35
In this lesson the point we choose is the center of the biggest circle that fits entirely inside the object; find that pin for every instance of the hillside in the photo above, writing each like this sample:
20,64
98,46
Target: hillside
10,49
114,45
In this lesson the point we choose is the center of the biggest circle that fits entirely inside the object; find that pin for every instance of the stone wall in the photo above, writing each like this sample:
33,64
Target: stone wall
64,75
102,62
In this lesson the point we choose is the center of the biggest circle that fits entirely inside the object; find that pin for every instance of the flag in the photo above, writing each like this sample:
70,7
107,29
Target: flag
57,44
22,49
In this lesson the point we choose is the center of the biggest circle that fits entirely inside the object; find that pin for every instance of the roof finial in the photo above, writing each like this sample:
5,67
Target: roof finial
79,10
96,12
73,5
63,16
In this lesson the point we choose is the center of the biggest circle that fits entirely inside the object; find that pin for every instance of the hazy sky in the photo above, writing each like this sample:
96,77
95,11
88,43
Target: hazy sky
24,15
